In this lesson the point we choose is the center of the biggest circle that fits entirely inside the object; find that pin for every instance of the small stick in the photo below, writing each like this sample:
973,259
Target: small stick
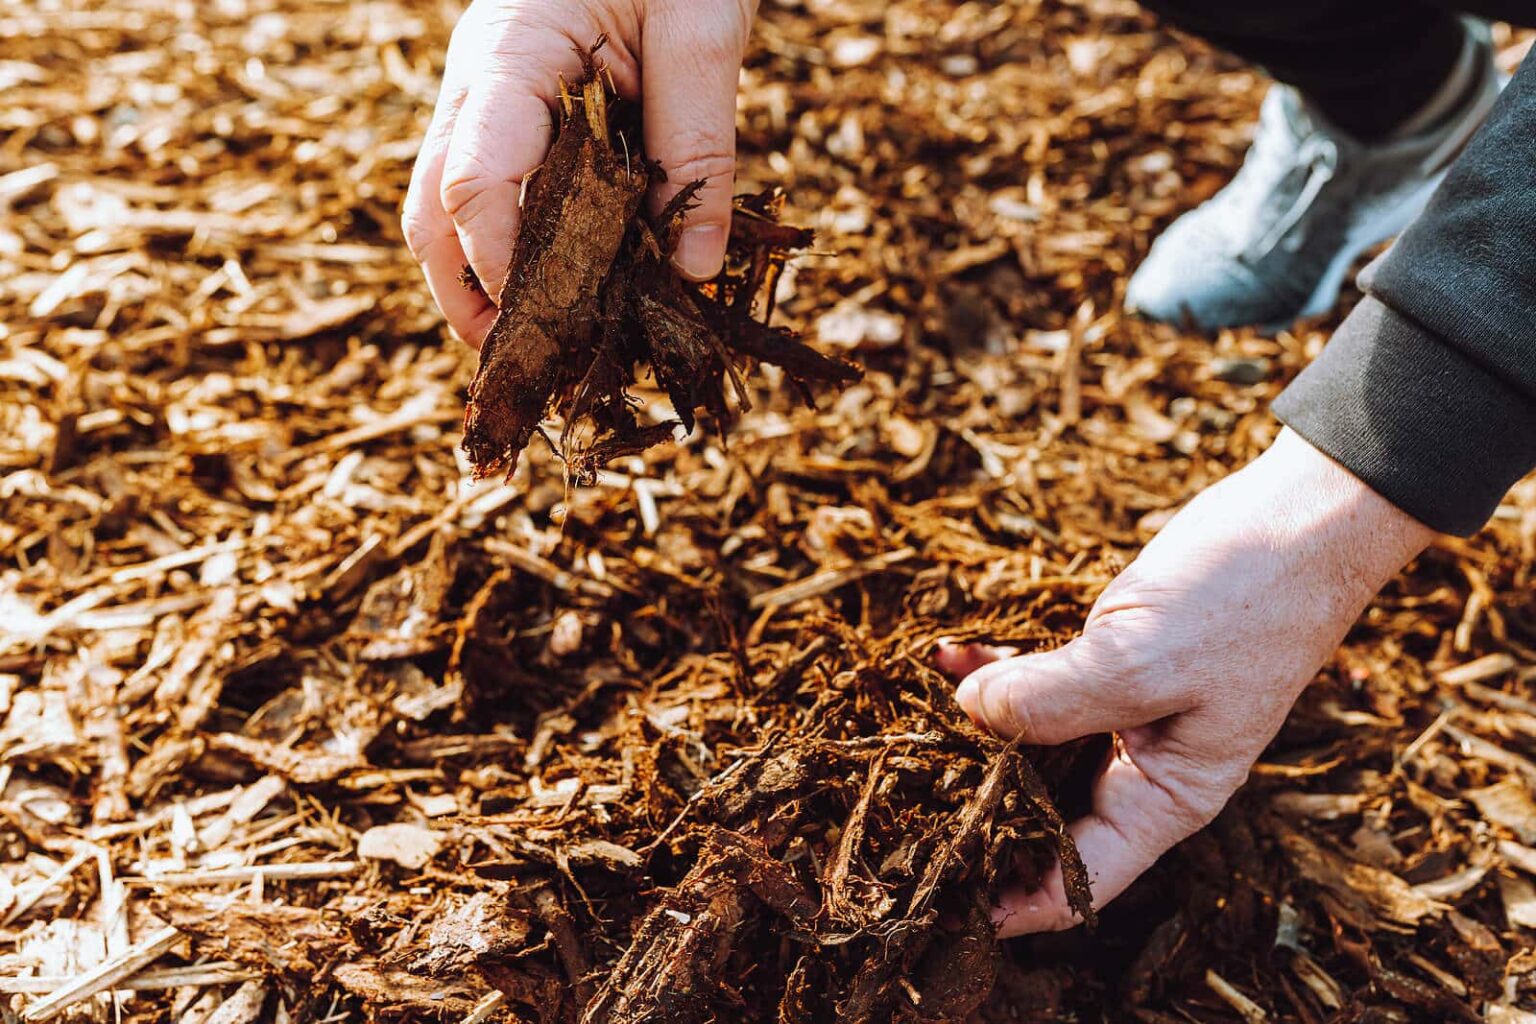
395,423
488,1004
104,976
890,739
38,891
1479,747
1486,667
268,872
223,972
820,583
1412,750
1250,1011
195,807
562,928
179,560
535,565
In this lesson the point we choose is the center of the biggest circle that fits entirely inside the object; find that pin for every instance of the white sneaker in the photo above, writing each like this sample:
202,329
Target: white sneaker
1276,243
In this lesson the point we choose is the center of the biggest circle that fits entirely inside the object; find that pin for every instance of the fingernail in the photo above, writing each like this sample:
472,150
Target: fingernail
700,251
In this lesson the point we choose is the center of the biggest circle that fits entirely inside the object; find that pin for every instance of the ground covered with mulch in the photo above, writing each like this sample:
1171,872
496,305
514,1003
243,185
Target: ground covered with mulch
299,723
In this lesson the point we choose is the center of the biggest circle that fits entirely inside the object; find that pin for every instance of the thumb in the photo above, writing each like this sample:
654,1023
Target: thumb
1134,822
691,64
1082,689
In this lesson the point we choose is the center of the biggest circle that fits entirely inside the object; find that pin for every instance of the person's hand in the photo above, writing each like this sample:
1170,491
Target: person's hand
1193,656
492,127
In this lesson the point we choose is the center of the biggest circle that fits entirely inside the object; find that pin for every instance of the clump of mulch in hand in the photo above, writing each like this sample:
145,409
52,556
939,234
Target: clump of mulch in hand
591,296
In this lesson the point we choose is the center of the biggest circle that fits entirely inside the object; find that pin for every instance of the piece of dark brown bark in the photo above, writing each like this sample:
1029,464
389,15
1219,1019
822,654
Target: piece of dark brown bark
575,213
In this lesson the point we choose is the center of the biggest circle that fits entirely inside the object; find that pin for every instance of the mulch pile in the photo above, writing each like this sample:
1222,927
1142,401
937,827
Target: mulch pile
299,723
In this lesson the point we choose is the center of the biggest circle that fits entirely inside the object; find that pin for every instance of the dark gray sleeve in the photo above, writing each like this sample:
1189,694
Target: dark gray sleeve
1427,392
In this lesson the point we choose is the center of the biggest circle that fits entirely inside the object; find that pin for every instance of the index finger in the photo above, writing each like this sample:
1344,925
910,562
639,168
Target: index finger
428,230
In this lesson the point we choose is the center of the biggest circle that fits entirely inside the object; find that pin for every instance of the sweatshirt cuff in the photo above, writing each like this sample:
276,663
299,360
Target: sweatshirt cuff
1421,424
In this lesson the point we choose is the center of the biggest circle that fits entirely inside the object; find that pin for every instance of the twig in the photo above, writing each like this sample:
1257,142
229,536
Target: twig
104,976
1486,667
1250,1011
179,560
525,560
268,872
223,972
195,807
827,580
413,415
1479,747
36,892
1430,732
488,1004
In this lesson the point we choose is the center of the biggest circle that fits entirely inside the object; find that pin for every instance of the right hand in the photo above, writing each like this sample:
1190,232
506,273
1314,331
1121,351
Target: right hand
1192,657
492,127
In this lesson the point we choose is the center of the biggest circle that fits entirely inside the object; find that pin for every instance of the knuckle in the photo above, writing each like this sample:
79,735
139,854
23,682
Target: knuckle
414,240
707,160
1010,703
469,220
1197,794
464,181
717,39
1125,629
1021,716
445,119
1119,649
511,67
721,36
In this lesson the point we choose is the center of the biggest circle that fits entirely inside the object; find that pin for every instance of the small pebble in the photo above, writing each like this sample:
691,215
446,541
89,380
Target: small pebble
1240,371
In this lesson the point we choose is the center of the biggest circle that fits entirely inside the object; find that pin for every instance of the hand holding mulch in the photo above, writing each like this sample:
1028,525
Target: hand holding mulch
591,294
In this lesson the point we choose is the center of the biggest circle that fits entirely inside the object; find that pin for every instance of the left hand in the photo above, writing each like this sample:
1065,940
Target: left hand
1193,657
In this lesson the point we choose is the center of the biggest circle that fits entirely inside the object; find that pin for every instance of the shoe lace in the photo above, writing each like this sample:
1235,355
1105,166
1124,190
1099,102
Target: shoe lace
1318,158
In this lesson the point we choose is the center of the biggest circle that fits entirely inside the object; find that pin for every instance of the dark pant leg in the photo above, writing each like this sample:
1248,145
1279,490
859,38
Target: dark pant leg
1367,65
1516,12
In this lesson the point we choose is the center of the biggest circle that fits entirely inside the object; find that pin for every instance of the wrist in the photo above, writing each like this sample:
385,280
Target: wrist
1292,530
1331,521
